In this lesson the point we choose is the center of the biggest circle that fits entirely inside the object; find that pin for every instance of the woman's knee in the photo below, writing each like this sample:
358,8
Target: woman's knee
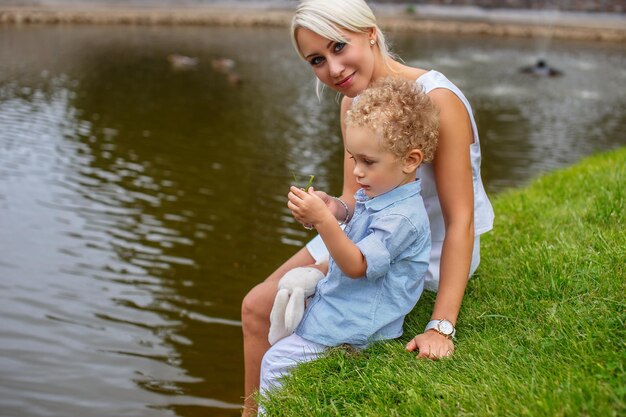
260,298
257,304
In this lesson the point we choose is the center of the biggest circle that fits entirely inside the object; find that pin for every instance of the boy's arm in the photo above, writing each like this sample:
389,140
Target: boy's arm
345,253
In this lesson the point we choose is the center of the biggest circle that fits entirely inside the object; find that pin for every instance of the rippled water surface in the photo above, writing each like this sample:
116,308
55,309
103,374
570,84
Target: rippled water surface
139,203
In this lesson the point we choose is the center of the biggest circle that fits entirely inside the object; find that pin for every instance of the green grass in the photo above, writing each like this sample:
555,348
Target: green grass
542,327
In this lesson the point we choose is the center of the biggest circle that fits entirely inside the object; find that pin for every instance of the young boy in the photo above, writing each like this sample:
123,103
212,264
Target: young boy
377,266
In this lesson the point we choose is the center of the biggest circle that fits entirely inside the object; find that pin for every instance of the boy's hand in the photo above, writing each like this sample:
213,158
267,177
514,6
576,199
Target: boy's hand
308,208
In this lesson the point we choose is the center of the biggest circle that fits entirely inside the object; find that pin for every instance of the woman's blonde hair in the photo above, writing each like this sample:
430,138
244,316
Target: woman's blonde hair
326,17
401,112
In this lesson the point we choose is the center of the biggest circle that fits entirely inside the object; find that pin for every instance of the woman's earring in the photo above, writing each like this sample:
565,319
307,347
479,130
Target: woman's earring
372,42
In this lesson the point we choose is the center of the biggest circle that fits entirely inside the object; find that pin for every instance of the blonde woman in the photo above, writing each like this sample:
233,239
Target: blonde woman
346,51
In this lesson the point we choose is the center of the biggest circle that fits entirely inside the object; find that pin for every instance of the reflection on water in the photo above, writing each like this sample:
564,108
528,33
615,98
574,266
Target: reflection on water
138,204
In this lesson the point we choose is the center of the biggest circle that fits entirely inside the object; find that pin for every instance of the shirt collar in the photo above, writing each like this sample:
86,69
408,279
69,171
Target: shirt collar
384,200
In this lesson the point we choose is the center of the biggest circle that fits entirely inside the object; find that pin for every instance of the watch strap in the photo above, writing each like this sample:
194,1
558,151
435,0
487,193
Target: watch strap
435,325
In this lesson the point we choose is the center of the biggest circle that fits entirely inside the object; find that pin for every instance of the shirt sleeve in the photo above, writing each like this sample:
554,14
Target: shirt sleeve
387,238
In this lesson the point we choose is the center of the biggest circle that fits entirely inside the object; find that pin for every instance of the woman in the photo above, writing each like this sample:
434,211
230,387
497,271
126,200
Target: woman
347,52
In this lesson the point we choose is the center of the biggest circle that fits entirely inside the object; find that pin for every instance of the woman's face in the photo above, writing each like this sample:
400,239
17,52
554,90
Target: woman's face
345,67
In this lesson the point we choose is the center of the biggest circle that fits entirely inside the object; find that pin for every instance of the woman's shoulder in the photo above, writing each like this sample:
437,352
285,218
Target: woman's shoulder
442,91
411,73
432,79
346,102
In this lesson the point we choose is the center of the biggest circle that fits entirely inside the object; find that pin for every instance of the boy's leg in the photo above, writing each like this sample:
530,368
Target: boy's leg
285,355
255,313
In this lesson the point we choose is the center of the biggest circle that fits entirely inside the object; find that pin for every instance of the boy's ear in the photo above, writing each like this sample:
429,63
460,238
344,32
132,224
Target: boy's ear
412,160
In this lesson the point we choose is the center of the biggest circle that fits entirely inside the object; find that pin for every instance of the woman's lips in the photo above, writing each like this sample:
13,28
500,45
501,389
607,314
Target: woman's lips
346,82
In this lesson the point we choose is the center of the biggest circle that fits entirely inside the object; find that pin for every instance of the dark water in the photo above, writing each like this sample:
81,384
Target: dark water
138,204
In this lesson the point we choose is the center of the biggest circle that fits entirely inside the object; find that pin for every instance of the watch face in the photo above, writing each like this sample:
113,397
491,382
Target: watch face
446,327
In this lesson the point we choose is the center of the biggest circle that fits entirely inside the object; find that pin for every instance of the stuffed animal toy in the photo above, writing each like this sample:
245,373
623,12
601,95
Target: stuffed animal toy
293,289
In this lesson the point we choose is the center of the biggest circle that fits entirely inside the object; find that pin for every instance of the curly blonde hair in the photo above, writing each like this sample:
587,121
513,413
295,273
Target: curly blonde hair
401,112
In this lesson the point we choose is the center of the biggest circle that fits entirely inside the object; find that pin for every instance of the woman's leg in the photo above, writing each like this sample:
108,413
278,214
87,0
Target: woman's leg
255,313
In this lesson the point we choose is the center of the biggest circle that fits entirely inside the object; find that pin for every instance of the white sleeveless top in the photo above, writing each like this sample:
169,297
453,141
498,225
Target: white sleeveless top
483,211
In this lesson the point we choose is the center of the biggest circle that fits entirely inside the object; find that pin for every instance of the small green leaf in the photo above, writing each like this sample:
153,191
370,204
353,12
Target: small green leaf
309,183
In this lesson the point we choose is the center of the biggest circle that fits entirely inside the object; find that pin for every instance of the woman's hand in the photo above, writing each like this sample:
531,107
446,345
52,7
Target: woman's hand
309,208
328,200
431,345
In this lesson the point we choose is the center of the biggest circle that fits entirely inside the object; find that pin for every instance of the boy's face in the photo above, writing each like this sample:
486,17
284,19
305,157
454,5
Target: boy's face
376,169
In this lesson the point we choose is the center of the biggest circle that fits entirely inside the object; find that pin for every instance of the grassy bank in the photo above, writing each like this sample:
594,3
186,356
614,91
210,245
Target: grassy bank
542,327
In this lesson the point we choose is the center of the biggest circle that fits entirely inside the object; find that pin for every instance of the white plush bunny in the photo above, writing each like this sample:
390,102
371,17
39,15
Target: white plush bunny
293,288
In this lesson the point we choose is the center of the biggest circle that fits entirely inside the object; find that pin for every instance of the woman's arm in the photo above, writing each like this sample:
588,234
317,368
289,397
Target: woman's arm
350,186
453,178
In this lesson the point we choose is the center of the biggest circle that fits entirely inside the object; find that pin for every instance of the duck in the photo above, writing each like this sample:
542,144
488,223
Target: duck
182,62
541,69
234,79
223,65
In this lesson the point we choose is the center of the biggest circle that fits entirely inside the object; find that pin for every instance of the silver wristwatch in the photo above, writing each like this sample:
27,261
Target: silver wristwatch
444,327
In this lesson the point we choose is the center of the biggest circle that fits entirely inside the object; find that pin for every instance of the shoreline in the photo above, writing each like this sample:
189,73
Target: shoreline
440,19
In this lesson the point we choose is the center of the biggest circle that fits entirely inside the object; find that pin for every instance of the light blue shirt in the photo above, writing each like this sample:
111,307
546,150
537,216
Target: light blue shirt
393,233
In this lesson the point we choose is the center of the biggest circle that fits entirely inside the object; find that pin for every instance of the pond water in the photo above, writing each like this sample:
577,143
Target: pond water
139,203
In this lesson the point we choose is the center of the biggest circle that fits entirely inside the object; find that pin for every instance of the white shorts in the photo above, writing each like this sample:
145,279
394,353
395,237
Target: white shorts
283,356
318,251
